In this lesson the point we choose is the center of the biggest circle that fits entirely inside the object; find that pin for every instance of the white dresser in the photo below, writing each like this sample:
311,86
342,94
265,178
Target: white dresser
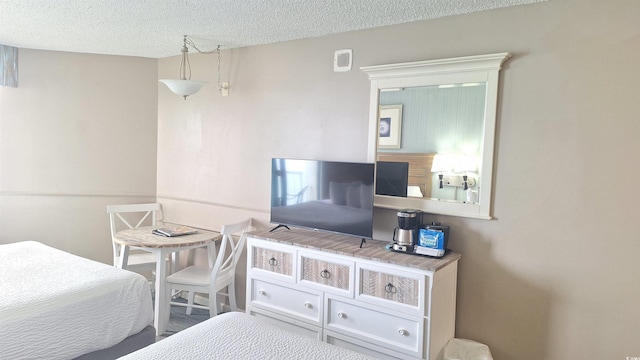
368,299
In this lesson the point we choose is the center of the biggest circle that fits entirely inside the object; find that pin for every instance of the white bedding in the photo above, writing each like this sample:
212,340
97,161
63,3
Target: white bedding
237,335
55,305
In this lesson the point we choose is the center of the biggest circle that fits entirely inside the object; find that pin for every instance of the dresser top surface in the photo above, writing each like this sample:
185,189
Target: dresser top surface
350,246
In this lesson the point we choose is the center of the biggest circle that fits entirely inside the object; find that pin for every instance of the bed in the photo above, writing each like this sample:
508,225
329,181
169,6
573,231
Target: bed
237,335
55,305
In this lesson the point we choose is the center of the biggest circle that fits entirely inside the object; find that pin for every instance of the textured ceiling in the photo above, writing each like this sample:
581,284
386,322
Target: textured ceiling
154,28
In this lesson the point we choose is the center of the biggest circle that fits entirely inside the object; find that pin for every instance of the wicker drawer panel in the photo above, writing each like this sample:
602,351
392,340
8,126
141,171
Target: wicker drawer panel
400,289
326,273
279,262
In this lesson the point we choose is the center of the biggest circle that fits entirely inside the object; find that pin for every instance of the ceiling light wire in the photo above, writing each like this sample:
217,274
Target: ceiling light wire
188,41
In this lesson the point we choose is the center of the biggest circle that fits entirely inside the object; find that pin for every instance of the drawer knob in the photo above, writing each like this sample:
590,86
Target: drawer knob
403,332
390,289
273,262
262,292
308,305
325,274
342,315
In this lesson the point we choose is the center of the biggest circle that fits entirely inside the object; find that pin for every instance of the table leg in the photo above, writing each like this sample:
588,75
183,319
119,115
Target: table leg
175,262
161,309
212,254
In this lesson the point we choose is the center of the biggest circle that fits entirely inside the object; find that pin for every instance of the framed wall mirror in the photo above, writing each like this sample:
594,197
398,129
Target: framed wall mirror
431,133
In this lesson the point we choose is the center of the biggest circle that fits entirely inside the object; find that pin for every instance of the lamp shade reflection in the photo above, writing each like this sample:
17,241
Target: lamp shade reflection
466,163
442,163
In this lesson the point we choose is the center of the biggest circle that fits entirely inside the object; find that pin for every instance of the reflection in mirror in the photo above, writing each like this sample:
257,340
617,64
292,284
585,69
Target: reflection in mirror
440,140
436,119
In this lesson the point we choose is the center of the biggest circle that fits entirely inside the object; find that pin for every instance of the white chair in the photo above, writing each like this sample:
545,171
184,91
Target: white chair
126,215
211,280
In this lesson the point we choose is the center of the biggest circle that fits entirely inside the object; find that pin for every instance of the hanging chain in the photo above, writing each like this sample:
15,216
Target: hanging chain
219,85
188,41
185,66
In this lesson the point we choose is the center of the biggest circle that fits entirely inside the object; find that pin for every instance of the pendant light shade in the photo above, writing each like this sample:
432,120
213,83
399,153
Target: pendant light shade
183,88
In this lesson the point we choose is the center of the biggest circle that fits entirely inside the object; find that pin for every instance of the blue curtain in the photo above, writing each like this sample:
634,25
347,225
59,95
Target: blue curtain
8,66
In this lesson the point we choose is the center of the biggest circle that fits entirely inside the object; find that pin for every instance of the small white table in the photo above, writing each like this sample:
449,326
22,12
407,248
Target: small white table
143,238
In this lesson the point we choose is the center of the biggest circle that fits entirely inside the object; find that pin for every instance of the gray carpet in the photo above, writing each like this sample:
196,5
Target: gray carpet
179,320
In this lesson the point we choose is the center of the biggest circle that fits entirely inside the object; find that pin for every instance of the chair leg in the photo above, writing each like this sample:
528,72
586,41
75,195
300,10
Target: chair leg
213,305
232,297
152,280
190,300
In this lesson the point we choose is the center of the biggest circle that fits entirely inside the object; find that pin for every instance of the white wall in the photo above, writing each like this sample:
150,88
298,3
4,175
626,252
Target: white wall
554,275
77,134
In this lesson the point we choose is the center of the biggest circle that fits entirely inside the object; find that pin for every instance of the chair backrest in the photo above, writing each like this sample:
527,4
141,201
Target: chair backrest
226,261
138,212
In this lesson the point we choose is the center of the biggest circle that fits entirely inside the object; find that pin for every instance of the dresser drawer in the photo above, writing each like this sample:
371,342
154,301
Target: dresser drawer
362,347
393,288
296,303
272,259
326,273
391,330
298,327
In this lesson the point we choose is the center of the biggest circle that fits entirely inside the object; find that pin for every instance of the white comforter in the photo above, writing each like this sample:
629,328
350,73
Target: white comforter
55,305
237,335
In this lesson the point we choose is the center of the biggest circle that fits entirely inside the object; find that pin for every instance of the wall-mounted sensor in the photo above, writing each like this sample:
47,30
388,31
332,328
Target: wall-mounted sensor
342,60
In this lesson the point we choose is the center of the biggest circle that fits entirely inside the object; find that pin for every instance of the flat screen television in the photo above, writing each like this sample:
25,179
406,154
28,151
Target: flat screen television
321,195
392,178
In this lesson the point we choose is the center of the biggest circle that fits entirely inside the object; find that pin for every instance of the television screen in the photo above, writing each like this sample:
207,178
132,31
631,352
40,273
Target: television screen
392,178
323,195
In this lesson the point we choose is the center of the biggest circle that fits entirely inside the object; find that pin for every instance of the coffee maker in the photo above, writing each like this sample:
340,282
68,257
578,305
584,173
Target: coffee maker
406,234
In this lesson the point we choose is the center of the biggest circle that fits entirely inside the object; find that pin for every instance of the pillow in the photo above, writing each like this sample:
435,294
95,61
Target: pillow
338,192
366,196
353,195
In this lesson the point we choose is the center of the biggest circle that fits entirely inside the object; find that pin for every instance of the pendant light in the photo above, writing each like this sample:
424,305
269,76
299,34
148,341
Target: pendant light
185,86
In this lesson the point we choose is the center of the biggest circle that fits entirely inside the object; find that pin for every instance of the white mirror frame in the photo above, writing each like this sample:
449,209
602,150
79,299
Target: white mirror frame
480,68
